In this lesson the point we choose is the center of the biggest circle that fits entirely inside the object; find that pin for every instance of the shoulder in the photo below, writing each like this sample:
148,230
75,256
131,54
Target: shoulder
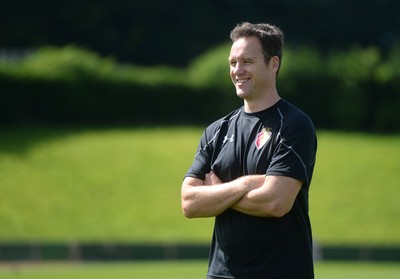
294,116
223,121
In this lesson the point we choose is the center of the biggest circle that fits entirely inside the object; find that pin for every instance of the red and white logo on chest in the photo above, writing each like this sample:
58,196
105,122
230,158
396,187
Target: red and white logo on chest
263,137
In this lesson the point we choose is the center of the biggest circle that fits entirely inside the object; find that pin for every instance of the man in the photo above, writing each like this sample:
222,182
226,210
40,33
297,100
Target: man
253,170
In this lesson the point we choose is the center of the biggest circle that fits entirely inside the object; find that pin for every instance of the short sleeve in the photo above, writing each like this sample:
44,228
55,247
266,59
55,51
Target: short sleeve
295,153
202,160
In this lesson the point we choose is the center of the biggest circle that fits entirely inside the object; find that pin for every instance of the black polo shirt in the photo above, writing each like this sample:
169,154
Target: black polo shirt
279,141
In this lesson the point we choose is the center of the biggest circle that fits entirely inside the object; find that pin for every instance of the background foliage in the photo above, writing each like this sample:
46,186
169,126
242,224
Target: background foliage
149,61
153,32
351,90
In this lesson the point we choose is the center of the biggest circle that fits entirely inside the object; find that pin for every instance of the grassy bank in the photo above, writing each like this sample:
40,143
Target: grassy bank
123,185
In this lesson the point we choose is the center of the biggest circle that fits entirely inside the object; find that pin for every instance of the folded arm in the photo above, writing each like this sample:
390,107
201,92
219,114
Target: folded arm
274,198
211,197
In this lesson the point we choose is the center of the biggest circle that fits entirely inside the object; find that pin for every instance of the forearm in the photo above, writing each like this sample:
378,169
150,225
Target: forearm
199,200
255,203
274,199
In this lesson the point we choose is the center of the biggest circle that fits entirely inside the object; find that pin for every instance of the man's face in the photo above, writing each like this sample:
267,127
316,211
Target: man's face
249,73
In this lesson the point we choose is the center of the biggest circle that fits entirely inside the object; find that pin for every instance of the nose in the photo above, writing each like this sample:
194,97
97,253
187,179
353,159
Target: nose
237,69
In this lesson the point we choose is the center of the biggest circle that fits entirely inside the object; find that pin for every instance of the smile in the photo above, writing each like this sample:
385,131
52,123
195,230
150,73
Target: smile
242,80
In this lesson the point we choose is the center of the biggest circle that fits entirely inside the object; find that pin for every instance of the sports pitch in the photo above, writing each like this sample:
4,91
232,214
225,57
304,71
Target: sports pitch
180,270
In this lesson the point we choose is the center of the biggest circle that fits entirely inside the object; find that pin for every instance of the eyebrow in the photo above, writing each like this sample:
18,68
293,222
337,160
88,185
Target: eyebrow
242,58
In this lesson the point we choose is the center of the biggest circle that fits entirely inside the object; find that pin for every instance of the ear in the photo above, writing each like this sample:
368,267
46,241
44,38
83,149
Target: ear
275,62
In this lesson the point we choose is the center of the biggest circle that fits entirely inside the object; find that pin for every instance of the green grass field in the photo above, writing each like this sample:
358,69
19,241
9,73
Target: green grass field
181,270
123,185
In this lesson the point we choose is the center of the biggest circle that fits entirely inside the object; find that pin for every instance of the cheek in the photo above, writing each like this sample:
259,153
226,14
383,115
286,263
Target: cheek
232,75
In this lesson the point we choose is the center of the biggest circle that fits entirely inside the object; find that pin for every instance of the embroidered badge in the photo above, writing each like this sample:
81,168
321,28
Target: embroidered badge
263,137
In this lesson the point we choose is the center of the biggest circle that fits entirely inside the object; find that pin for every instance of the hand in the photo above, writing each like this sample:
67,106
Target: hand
212,179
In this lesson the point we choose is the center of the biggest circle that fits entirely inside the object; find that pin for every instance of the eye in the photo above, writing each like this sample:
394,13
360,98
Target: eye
233,63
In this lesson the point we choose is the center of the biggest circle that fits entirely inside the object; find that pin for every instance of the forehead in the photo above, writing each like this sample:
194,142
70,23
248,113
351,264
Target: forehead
246,47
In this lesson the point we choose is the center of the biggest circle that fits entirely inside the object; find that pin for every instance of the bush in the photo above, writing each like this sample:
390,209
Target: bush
212,69
353,90
72,85
67,64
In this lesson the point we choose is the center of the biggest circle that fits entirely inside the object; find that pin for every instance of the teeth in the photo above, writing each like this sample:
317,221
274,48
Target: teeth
242,80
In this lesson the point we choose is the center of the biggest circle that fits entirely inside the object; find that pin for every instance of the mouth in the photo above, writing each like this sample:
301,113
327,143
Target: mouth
242,80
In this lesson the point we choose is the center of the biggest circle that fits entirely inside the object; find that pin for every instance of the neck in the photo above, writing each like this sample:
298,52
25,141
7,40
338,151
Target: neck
262,103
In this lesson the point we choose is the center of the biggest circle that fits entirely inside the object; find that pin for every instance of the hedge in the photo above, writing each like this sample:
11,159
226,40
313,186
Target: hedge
356,89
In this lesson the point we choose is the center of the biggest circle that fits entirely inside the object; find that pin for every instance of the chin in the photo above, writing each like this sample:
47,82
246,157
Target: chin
241,94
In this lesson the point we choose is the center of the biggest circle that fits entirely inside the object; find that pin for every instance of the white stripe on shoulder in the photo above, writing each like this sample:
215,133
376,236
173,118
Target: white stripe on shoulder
282,141
218,130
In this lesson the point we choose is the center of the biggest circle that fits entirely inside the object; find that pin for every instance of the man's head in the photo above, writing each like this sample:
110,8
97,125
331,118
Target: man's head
270,37
254,62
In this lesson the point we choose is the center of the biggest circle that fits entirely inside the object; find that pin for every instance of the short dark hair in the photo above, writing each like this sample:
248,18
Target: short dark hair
271,38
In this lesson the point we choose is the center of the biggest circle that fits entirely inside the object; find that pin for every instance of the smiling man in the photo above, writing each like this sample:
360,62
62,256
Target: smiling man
253,170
